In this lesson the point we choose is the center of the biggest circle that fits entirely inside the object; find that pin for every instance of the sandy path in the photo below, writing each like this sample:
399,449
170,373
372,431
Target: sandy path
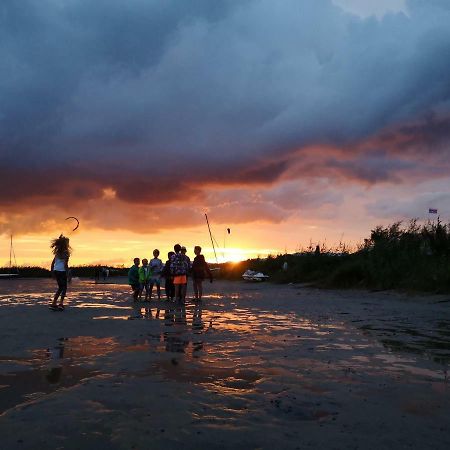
257,366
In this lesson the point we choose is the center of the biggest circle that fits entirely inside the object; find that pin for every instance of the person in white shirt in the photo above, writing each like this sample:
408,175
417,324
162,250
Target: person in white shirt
60,266
156,268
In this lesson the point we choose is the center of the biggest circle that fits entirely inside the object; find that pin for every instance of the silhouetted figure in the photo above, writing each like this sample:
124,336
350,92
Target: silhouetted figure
200,270
144,279
60,266
156,268
133,278
179,268
169,286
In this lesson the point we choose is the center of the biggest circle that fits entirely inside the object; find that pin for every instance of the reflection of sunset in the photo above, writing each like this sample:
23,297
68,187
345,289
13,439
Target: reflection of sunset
88,346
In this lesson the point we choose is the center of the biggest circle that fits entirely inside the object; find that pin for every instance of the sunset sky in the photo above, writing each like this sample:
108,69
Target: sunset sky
286,121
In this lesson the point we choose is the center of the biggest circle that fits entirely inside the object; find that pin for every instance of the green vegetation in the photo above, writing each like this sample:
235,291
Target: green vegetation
409,257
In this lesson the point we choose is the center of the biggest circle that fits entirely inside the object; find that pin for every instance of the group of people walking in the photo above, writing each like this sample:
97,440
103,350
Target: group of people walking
142,278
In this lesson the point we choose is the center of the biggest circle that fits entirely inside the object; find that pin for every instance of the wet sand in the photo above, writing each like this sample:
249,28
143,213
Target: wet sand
257,366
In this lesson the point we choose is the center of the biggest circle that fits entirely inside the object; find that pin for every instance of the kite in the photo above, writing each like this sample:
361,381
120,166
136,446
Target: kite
78,222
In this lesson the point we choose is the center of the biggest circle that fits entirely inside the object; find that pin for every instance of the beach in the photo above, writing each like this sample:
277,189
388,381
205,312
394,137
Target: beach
255,366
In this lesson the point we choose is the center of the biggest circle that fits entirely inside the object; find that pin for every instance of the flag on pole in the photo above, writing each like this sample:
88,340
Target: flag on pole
432,211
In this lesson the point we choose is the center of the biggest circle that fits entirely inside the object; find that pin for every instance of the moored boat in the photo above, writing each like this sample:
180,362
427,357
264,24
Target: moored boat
251,275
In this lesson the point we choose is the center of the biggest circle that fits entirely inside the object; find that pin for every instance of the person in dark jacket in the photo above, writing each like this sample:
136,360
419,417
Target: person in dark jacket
200,270
133,278
169,286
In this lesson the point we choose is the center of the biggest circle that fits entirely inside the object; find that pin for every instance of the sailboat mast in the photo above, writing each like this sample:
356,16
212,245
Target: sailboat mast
210,235
10,254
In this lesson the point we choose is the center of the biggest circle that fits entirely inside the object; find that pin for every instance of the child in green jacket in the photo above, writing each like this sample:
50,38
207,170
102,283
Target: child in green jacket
145,275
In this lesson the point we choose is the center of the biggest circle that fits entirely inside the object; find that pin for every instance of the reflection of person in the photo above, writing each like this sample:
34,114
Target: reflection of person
54,372
175,317
144,279
147,313
156,267
60,266
133,278
169,286
168,316
197,322
197,328
200,270
180,315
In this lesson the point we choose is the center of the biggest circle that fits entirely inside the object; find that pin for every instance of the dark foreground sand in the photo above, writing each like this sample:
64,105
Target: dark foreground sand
257,367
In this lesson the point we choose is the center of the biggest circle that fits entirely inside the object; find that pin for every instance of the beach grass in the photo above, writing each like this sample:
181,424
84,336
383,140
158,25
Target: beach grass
405,256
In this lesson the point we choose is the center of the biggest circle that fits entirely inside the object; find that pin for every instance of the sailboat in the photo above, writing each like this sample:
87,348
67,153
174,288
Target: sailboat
12,254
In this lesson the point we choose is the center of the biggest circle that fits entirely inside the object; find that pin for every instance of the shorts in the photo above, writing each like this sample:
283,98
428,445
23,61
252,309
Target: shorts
180,279
156,279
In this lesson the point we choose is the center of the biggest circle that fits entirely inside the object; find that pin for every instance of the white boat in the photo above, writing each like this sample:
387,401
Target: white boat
251,275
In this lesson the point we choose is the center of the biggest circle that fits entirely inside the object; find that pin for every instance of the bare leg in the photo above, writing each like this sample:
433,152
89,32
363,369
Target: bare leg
178,292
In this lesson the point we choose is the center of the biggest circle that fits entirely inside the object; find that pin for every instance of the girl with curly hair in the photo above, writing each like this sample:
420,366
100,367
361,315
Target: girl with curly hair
60,267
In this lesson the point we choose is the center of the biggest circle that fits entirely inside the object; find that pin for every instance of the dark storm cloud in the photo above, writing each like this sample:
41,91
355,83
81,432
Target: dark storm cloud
155,99
431,135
